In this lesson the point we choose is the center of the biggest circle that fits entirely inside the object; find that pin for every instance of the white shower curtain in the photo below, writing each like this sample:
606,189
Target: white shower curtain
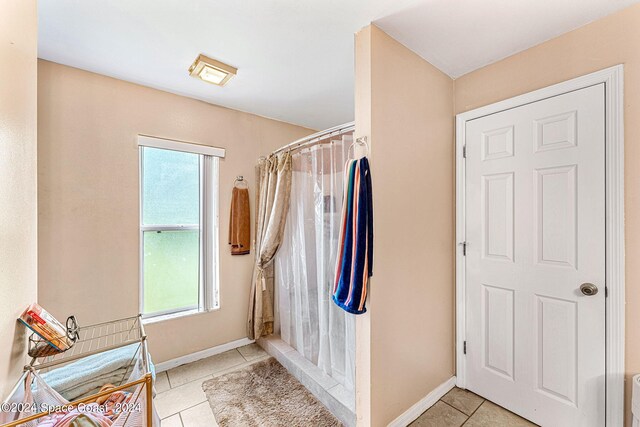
308,319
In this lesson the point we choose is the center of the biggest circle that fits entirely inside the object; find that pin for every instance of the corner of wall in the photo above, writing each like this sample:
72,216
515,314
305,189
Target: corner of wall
409,123
393,114
18,181
363,128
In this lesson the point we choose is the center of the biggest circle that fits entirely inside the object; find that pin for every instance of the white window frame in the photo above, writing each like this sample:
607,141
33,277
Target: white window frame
209,297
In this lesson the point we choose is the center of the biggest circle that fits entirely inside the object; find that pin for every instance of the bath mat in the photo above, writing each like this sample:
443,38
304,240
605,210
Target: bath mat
264,395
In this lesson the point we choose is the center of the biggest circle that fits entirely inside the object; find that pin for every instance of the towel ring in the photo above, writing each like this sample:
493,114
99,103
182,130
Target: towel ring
240,179
362,141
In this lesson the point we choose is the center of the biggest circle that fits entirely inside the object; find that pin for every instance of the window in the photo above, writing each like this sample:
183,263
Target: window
178,227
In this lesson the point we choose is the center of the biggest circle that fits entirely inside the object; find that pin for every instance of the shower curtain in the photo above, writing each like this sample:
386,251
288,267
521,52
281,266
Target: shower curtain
272,198
308,320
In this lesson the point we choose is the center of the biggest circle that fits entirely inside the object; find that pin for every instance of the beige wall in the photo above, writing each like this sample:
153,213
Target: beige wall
607,42
363,128
18,193
405,106
88,198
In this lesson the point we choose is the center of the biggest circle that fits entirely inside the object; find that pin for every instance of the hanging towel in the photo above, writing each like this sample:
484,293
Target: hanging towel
239,222
355,248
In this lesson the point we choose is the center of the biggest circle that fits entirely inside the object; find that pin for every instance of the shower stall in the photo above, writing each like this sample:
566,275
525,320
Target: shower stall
314,338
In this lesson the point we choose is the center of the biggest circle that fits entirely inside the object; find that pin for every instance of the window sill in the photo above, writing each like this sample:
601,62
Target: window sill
171,316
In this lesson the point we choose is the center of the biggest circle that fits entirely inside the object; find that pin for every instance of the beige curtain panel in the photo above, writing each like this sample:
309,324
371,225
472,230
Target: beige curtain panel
272,198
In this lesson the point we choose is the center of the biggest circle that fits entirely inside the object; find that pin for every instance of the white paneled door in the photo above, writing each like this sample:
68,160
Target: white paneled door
535,259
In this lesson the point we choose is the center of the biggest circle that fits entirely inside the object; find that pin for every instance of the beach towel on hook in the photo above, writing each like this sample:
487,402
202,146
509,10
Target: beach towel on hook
354,266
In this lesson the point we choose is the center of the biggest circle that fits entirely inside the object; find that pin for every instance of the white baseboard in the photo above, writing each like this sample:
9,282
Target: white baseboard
425,403
169,364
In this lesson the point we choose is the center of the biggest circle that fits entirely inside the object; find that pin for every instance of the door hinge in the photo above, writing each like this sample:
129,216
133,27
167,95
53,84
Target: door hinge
464,248
464,347
606,292
464,151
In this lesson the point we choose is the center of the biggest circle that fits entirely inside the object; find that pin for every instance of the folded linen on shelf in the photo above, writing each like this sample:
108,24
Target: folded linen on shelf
89,374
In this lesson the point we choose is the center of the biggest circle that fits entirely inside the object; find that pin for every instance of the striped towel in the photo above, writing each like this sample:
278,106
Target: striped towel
355,250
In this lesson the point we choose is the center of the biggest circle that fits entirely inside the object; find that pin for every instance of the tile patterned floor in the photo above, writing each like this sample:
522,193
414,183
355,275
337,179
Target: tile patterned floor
180,400
463,408
182,403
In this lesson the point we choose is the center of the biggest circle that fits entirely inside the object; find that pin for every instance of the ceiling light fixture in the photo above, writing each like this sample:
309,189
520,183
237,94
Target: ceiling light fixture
211,71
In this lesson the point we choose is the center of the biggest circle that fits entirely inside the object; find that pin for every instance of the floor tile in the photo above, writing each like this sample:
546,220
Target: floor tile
201,368
491,415
172,421
440,415
240,366
180,398
463,400
162,382
251,351
198,416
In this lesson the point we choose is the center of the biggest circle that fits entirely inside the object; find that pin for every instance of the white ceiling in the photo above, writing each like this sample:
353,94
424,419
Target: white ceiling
295,57
459,36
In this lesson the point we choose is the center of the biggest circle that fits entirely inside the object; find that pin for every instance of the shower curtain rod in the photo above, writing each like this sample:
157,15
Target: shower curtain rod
317,137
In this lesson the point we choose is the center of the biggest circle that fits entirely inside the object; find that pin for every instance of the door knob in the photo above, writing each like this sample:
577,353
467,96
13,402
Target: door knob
588,289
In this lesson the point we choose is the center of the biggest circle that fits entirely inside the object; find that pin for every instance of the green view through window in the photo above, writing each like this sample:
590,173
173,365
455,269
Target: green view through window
178,200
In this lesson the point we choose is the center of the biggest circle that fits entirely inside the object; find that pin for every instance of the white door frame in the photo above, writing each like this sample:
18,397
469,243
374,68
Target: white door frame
614,188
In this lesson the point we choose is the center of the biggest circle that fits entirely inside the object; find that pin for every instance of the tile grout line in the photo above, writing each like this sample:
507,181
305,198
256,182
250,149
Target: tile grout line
179,413
179,417
185,409
168,380
208,377
241,355
451,406
476,410
210,374
195,379
506,410
203,379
